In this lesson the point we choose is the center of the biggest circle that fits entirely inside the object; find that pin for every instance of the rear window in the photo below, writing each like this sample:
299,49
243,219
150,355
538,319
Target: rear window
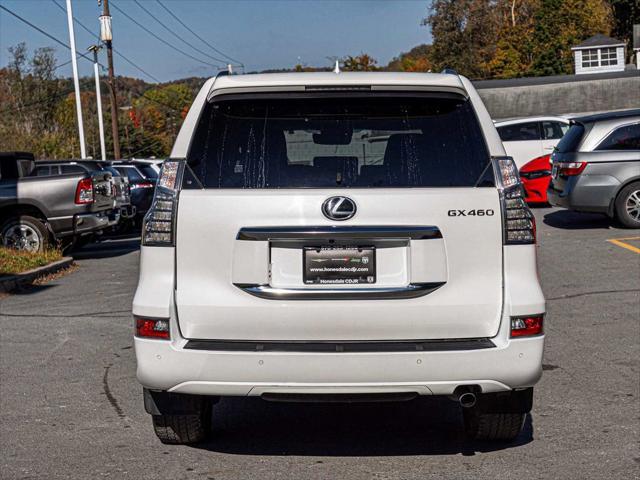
68,169
571,139
313,141
520,132
623,138
148,171
131,173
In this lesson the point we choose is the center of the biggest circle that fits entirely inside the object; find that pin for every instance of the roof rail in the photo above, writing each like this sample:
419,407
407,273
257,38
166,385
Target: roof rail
449,71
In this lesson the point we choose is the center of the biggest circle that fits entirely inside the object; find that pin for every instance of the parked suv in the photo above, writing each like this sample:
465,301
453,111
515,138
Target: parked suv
596,167
141,184
341,237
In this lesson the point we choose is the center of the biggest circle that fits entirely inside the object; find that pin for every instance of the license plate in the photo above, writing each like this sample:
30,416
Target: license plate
339,266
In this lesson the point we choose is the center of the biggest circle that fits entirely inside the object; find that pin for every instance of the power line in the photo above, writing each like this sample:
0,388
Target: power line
49,99
60,42
48,35
152,144
198,36
161,39
95,35
176,35
121,55
88,30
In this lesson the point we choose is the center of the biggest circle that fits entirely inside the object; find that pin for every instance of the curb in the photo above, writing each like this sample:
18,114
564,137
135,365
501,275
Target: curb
11,282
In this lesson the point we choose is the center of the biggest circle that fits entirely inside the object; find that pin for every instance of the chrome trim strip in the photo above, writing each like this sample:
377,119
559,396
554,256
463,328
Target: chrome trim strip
413,290
339,232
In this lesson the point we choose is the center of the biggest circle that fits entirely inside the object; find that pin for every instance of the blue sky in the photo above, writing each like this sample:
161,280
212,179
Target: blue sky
262,34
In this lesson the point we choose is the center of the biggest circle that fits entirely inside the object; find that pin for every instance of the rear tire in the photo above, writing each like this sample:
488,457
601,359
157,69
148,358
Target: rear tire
627,205
184,429
493,426
24,232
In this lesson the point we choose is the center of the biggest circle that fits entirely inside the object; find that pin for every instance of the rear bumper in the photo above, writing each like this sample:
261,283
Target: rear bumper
82,223
584,193
167,366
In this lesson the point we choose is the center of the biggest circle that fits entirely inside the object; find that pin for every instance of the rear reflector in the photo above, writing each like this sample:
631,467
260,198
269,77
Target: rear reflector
526,326
84,191
152,327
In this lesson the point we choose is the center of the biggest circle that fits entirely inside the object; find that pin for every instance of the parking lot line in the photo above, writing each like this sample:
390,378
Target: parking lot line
620,243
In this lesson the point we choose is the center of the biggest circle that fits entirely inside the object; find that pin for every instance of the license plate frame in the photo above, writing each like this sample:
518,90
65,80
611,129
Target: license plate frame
342,265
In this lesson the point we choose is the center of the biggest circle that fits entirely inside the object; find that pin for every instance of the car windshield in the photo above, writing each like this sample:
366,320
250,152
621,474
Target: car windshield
381,140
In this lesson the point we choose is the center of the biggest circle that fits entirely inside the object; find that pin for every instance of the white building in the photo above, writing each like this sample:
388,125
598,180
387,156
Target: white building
599,54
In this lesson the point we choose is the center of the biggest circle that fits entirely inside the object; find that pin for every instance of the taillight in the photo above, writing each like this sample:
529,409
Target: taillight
526,326
152,327
158,228
84,191
570,169
518,223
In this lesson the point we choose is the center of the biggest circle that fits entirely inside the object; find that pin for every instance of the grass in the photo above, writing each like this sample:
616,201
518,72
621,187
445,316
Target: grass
16,261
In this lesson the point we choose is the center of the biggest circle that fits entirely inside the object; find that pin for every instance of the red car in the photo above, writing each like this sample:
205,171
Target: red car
535,176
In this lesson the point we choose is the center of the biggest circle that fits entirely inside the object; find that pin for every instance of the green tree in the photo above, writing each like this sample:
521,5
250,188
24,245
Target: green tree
464,35
562,24
626,14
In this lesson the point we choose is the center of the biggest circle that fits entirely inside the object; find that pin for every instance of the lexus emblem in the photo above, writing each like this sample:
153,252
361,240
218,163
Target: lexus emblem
339,208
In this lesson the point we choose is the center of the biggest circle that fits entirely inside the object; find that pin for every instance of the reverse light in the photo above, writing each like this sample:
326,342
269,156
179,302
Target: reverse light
518,223
152,327
158,228
570,169
84,191
526,326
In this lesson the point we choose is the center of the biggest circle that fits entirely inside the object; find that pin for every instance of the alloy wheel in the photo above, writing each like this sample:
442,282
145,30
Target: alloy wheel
632,205
22,237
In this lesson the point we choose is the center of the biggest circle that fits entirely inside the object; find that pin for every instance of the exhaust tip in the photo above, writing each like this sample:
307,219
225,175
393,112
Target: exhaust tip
467,399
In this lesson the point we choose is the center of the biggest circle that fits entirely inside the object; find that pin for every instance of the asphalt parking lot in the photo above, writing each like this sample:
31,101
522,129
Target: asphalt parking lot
70,406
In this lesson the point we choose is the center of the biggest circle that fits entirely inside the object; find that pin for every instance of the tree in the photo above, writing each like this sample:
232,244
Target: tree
464,35
359,63
415,60
626,13
513,56
562,24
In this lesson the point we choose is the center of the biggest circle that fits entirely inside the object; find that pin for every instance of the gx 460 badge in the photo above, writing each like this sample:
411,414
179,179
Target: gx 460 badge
480,212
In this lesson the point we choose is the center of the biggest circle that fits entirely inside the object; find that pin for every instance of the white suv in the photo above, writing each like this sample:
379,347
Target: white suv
342,237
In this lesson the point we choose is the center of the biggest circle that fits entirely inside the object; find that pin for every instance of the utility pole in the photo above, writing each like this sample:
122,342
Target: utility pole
94,49
76,82
106,36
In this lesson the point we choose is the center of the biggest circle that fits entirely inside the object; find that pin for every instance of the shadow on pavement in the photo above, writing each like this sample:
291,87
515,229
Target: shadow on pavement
425,426
31,289
107,249
568,220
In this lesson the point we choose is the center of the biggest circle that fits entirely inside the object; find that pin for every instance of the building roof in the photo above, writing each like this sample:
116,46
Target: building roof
599,40
531,81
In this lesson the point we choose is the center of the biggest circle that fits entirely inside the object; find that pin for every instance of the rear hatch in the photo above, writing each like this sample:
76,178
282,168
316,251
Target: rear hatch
339,217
